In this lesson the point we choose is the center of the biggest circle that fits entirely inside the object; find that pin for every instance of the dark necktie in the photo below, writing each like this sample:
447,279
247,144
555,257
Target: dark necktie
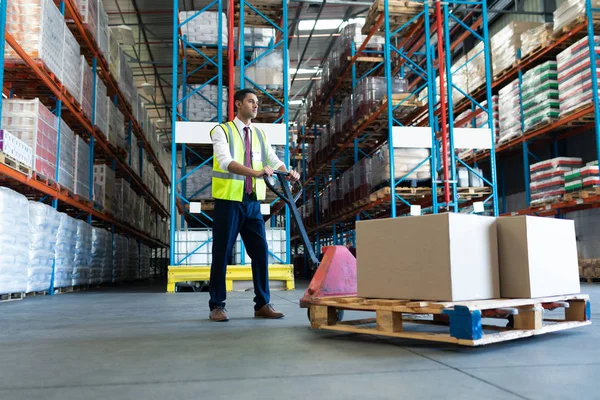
247,159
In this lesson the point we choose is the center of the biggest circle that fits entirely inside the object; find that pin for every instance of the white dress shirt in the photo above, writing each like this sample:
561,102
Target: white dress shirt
221,147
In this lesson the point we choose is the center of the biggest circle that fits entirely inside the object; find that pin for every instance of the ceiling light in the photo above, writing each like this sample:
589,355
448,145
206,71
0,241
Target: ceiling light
321,25
294,102
303,71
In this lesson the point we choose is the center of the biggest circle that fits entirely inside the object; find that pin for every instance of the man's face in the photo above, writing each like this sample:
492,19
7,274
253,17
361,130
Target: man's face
249,107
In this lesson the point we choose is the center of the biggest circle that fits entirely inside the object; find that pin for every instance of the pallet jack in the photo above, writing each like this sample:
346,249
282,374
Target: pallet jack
335,275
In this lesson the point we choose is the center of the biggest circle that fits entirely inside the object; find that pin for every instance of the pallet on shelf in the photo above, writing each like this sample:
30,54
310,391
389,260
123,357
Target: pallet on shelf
583,194
63,290
400,13
37,293
11,297
468,193
14,164
459,322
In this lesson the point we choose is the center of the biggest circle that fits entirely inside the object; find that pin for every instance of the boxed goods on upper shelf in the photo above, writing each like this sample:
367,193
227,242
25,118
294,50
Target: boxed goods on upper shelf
66,164
203,29
540,36
33,123
125,80
540,95
201,106
95,20
16,148
582,179
509,112
43,227
103,38
197,185
116,128
86,86
506,43
82,168
548,180
102,101
104,178
71,64
14,241
570,13
457,252
574,76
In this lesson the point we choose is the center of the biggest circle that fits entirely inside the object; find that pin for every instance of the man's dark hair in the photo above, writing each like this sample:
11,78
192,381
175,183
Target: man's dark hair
240,95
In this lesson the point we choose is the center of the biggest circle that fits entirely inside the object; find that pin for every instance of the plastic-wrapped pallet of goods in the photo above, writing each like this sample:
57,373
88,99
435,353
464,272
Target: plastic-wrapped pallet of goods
102,102
510,112
14,241
97,255
108,262
569,13
88,9
585,178
362,179
548,180
114,58
120,258
104,176
103,30
71,65
145,262
540,36
86,86
66,165
123,200
133,271
16,148
574,76
199,109
204,28
116,127
82,168
405,161
506,43
43,227
64,252
540,95
34,124
83,250
277,244
126,83
38,27
476,68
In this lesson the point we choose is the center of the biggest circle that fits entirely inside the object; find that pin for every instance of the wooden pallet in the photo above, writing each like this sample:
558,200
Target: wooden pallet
38,293
63,290
463,323
14,164
400,12
467,193
583,194
11,297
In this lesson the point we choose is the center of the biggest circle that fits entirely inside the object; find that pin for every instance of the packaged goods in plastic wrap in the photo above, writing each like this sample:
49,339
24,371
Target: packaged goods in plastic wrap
204,28
189,240
135,157
123,200
507,42
571,13
116,127
268,71
100,242
64,251
540,95
582,179
145,268
125,82
133,271
104,177
276,242
476,67
108,262
33,123
88,9
548,178
120,258
82,168
16,148
43,227
71,65
198,106
256,36
39,28
114,58
362,179
103,38
86,86
536,37
102,101
14,241
371,90
574,76
66,164
510,112
405,161
83,250
198,184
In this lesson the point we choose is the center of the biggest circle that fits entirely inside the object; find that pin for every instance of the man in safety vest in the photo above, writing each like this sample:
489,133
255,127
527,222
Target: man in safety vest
242,156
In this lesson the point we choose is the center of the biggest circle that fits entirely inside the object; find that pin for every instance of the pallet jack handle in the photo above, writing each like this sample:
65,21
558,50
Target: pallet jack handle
289,199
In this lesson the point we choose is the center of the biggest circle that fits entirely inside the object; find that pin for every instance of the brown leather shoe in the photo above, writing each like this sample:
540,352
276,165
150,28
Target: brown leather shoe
219,314
267,311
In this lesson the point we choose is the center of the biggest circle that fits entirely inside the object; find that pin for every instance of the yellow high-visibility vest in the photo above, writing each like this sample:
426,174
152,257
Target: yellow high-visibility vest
228,186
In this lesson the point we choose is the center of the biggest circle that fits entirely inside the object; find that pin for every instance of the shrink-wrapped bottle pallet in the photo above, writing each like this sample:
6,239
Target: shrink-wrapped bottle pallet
43,228
506,43
64,252
540,95
104,177
14,241
540,36
33,123
82,168
16,148
133,270
145,268
204,28
201,106
120,258
510,112
574,76
547,182
100,243
83,251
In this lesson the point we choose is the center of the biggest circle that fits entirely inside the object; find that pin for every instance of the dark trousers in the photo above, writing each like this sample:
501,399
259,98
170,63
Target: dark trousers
230,219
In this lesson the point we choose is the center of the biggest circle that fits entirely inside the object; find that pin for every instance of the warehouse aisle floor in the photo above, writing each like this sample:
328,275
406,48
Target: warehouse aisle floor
139,343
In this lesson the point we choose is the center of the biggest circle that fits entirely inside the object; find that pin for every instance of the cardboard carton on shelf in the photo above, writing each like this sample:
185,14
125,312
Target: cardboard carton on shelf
443,257
538,257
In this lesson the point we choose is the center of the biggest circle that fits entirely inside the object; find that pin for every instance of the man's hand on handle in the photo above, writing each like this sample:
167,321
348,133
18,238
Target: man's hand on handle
293,176
265,171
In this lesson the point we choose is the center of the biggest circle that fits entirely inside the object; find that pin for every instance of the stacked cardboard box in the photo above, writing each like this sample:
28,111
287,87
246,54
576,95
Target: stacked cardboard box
16,148
535,37
574,75
71,64
86,88
204,28
509,112
547,183
66,164
33,123
114,57
116,128
506,43
540,95
569,13
585,178
102,102
104,180
82,168
201,106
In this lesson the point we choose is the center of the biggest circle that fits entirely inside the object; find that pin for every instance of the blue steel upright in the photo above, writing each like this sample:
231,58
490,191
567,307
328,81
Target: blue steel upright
590,12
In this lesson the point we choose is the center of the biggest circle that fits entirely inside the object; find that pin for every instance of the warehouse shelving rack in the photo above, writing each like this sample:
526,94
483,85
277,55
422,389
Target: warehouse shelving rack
54,94
412,51
203,67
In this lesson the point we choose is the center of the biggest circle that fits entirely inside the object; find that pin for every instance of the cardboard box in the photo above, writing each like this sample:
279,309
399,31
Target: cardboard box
443,257
538,257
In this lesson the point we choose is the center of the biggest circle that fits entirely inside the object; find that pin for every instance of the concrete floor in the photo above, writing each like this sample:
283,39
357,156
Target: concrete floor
140,343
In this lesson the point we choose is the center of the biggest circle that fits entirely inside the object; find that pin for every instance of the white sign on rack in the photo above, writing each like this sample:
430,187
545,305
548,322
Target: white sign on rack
420,137
199,132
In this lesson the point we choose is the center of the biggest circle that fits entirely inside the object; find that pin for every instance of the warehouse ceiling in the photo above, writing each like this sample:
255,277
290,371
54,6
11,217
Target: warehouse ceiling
151,57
